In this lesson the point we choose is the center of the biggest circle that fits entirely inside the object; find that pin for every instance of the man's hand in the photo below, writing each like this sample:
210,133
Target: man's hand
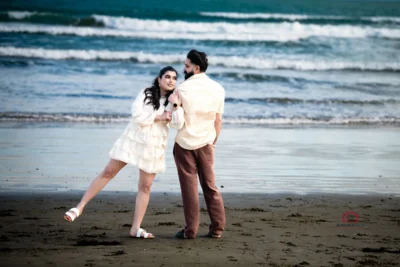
218,126
175,99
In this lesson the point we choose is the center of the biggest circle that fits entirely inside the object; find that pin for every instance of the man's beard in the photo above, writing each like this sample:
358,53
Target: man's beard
188,75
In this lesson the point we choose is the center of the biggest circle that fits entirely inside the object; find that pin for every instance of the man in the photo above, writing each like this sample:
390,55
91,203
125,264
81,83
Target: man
202,100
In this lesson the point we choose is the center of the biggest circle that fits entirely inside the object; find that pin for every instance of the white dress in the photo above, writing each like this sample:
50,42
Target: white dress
144,141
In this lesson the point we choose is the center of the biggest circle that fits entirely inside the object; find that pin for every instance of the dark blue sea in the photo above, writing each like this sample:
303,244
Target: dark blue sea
280,62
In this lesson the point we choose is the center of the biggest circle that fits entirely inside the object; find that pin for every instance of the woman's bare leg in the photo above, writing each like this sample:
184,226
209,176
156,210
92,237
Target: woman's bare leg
109,172
142,199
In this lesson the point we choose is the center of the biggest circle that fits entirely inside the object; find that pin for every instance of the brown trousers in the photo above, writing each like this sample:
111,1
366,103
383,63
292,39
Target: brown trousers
191,163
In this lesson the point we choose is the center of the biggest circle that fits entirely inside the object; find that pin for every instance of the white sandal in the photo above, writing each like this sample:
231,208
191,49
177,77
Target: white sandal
72,214
145,235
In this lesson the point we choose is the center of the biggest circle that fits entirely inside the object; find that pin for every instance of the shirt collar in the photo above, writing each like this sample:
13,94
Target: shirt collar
197,76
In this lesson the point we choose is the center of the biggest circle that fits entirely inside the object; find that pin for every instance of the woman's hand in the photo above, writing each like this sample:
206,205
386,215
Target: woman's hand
165,117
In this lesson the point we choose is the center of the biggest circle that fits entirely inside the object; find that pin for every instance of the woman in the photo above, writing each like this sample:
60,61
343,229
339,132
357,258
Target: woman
142,144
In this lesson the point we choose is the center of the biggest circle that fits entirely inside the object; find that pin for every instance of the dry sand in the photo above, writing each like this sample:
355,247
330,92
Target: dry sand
261,230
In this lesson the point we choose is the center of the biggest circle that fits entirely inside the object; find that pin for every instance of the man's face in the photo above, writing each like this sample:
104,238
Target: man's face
189,69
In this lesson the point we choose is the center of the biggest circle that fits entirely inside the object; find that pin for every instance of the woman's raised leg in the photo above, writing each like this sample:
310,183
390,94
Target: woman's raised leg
109,172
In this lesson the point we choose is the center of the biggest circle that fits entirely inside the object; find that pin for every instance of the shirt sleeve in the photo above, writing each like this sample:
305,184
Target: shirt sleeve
178,118
221,106
143,114
169,107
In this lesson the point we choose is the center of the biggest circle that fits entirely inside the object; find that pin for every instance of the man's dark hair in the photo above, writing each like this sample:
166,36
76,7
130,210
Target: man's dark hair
198,58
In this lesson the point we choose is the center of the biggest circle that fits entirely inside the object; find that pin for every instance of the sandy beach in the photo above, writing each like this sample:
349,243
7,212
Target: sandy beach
285,194
261,230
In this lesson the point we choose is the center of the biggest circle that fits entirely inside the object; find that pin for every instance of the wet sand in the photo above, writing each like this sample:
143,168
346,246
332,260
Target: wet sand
261,230
349,160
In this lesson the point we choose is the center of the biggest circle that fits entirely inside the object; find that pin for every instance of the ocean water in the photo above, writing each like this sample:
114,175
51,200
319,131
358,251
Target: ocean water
281,62
69,71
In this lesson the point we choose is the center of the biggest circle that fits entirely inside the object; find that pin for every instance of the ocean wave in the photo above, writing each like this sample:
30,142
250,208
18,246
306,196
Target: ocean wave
295,17
259,77
15,63
292,17
58,54
225,61
125,21
118,118
302,64
21,15
85,95
218,31
287,29
62,117
286,100
382,19
255,100
313,121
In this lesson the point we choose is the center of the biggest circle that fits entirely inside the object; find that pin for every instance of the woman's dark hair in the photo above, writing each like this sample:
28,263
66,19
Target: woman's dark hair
198,58
153,94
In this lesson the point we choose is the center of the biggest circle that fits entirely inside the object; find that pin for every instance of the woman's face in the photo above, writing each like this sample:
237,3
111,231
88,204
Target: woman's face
168,81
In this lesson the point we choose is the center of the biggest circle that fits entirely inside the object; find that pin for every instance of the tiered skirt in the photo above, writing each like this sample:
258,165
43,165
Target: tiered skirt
142,146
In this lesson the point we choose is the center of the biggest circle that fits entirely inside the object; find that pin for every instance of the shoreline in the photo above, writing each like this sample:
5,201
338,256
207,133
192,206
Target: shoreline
5,123
78,192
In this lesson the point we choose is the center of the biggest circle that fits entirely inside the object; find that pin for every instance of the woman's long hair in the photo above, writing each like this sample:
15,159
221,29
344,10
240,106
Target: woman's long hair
153,93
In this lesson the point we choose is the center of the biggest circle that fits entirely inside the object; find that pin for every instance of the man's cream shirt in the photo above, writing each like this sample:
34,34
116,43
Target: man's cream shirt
202,98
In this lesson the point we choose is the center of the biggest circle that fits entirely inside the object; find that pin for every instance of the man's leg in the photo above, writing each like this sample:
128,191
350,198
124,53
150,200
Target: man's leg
187,170
212,196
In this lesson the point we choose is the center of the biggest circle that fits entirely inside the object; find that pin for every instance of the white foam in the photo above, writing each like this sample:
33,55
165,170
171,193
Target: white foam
306,121
249,121
278,31
153,29
61,117
293,17
59,54
126,22
382,19
226,61
20,14
299,64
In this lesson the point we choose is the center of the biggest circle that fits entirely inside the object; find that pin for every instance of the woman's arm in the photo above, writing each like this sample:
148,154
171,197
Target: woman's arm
178,114
165,117
143,114
177,118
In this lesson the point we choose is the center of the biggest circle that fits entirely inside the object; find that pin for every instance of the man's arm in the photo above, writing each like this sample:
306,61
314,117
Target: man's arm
218,127
218,117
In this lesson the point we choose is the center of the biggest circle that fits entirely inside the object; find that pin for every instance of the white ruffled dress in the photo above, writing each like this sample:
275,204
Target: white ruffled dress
144,141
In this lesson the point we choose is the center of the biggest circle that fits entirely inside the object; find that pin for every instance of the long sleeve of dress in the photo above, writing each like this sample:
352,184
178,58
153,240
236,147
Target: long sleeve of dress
143,114
178,118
